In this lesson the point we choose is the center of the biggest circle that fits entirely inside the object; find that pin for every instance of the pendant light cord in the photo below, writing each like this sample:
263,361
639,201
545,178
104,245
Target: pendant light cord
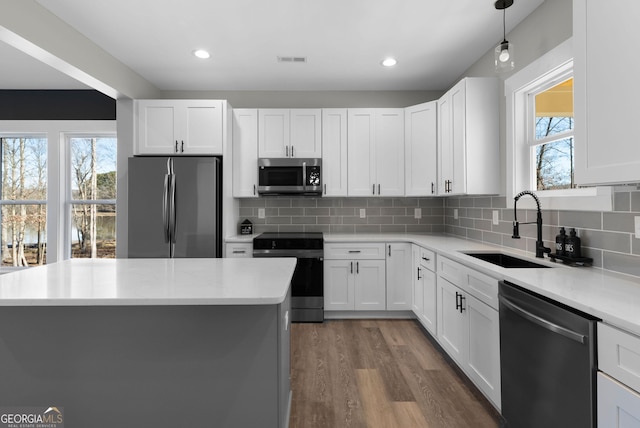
504,25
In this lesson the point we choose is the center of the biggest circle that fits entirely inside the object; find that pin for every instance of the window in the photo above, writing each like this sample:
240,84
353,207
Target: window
540,136
93,196
552,137
57,191
24,200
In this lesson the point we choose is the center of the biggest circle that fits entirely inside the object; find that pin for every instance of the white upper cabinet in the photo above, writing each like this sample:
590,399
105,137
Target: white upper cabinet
334,152
180,127
245,153
375,152
420,150
606,91
284,133
468,138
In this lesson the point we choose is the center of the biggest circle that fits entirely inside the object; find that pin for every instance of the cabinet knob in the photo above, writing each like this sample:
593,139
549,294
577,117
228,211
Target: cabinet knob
378,188
373,189
419,278
292,155
286,151
182,147
426,259
433,190
176,146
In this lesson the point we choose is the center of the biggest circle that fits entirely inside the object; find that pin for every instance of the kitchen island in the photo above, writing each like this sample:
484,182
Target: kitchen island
149,342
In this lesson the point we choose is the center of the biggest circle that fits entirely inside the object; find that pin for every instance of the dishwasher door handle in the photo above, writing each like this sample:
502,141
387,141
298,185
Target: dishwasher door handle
570,334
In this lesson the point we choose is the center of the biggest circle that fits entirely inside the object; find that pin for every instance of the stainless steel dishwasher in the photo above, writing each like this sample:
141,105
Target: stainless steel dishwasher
548,362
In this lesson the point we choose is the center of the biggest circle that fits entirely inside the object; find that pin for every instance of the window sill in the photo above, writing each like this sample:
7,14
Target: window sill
585,199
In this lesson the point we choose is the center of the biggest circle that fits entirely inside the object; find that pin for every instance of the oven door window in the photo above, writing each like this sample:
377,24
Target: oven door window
281,176
308,278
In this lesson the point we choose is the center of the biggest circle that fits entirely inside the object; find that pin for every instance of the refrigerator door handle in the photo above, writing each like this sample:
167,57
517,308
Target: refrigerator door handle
165,209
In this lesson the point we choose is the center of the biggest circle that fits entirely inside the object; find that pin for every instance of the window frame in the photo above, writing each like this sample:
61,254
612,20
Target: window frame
58,163
548,70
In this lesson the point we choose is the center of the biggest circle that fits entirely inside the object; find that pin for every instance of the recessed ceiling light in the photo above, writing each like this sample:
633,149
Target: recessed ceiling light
201,53
389,62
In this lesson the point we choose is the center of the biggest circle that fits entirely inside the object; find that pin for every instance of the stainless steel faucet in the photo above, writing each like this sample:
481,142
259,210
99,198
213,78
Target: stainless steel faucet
540,248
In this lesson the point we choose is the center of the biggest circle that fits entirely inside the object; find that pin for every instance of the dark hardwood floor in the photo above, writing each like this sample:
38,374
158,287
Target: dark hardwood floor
378,373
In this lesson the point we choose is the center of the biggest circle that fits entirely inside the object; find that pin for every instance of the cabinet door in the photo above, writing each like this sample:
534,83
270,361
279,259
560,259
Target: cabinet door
418,273
273,133
370,285
483,358
420,154
606,149
157,133
201,127
428,317
458,138
361,152
245,153
334,152
618,405
306,133
445,145
339,285
399,290
389,152
452,324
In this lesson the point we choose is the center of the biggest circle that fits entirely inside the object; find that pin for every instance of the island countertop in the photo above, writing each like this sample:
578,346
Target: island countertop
128,282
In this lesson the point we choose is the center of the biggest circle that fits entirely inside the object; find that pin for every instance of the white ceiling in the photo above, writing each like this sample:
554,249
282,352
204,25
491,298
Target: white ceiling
434,41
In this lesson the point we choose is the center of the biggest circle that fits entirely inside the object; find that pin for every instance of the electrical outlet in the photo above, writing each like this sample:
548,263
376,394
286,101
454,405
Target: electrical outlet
363,212
417,213
496,217
637,224
455,213
260,212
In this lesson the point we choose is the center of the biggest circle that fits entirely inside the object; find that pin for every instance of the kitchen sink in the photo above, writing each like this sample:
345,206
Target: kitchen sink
506,261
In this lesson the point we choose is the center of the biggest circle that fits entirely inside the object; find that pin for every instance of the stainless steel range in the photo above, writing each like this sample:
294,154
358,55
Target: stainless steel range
307,285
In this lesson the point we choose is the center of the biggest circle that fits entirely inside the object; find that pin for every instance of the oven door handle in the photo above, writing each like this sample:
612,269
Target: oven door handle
306,254
555,328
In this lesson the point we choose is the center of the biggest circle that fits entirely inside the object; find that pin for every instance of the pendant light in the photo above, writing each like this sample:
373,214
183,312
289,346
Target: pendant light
503,54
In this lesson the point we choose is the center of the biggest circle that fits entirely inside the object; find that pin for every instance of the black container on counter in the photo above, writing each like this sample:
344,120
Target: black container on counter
572,245
561,240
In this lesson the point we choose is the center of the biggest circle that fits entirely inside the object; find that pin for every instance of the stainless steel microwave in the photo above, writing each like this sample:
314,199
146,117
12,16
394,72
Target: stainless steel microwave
288,176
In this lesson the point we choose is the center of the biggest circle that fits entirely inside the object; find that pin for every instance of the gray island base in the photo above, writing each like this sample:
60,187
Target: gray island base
148,365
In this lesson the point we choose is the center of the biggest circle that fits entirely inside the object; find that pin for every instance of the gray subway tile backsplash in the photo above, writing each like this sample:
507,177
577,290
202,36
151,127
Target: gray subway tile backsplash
607,237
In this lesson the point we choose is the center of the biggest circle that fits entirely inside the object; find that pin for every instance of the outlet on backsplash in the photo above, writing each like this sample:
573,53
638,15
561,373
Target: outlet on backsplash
363,213
637,226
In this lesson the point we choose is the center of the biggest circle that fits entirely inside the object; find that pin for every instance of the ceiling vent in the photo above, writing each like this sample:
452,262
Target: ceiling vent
293,59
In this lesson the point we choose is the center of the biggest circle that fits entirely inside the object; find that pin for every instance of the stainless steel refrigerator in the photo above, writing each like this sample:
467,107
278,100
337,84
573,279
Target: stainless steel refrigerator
175,207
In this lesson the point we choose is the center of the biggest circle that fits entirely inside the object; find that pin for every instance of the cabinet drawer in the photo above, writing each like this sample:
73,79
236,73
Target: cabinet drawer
619,355
450,270
427,259
239,250
354,251
481,286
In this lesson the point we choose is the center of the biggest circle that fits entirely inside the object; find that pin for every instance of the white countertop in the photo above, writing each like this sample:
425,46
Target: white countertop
108,282
614,298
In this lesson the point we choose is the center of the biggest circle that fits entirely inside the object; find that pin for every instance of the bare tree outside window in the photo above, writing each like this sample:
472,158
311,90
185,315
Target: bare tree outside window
23,200
93,170
553,140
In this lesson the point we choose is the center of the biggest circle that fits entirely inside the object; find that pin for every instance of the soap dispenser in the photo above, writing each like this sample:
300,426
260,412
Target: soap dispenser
561,240
572,245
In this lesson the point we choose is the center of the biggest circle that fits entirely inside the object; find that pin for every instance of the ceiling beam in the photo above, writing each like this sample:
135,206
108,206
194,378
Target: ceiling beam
34,30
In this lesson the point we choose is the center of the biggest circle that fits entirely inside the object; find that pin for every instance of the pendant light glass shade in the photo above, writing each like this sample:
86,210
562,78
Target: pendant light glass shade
504,52
504,57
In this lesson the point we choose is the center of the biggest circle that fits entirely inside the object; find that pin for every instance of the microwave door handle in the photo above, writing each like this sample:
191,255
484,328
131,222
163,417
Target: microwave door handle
304,175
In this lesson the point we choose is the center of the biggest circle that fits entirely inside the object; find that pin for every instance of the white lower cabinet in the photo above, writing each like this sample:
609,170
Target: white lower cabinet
619,378
238,250
398,268
354,285
618,405
424,288
468,330
354,277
